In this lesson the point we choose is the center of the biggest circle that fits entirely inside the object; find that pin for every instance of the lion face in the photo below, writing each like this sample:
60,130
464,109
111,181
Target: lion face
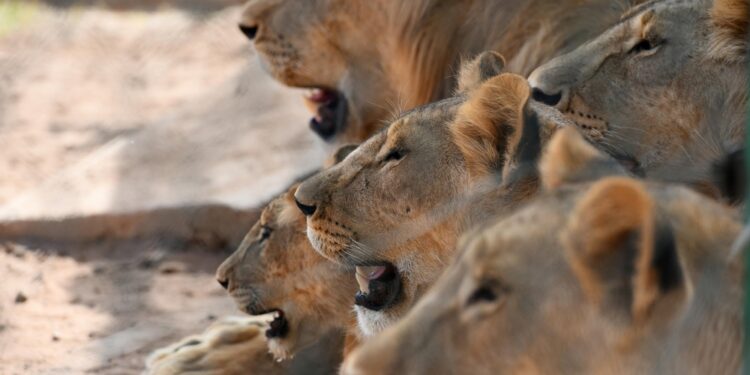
368,212
545,290
275,270
317,44
633,89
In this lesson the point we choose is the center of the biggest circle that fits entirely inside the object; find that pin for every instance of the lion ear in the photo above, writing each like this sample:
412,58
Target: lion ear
339,156
622,259
490,122
478,70
730,19
569,158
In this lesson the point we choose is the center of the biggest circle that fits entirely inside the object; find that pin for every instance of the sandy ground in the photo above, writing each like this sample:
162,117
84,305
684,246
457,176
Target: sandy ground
138,143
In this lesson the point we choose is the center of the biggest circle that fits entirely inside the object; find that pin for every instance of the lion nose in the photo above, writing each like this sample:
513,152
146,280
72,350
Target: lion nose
224,283
308,210
249,30
543,97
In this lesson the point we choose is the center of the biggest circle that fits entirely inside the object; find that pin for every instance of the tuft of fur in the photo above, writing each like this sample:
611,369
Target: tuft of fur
730,38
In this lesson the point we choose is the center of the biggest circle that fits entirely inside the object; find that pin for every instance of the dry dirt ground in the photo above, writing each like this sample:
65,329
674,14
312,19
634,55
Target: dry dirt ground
136,144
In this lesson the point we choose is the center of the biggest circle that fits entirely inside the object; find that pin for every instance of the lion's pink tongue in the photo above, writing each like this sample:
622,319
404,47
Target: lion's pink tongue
365,274
319,96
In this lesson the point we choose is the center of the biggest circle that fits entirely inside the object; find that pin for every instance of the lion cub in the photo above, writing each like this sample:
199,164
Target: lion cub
614,276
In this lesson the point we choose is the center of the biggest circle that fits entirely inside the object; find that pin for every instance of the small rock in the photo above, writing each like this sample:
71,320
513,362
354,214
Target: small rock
152,259
171,267
55,337
211,317
21,298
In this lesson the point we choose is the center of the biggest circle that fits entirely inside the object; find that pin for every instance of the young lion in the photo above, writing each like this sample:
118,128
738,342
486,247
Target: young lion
275,270
665,89
395,206
616,276
363,59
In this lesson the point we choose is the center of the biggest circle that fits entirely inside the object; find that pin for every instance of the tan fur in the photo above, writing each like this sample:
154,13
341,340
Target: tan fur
418,49
283,272
611,276
370,211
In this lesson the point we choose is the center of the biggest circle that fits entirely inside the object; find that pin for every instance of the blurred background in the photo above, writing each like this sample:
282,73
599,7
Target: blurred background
138,139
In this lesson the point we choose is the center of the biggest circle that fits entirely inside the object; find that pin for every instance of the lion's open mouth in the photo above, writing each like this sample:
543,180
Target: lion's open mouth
278,326
379,286
331,111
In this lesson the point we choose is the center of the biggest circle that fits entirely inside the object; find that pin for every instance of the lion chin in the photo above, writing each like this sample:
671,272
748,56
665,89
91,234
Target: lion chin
373,322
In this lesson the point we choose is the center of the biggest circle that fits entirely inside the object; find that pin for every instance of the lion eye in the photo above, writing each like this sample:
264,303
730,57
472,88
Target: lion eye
265,232
643,46
394,155
483,293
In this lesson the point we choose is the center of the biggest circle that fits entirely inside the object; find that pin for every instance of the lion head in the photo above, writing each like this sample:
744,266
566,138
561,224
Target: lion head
364,60
275,270
665,88
614,276
396,205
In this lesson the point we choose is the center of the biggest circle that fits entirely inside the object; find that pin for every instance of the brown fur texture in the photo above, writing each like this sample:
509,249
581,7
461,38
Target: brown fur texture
614,276
276,268
369,210
418,49
632,90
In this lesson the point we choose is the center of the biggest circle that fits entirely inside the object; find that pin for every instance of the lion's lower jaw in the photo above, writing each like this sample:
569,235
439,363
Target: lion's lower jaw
373,322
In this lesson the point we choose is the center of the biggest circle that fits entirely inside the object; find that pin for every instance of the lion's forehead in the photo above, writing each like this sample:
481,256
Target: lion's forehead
439,109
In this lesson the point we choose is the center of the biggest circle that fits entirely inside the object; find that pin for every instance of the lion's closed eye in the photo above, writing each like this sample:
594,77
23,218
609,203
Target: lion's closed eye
394,155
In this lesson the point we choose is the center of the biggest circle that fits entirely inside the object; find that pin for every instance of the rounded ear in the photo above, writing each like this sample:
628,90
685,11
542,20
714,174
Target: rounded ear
339,156
484,66
569,158
343,152
490,122
623,260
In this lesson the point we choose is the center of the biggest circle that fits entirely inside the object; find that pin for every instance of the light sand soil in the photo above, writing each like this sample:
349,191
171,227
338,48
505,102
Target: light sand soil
101,308
103,113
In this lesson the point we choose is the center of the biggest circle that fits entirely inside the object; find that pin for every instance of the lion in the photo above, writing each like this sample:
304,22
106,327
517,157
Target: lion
275,270
665,88
237,346
395,206
600,274
361,60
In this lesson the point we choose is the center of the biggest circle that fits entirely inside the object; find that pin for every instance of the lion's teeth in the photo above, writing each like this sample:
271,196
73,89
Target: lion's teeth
362,280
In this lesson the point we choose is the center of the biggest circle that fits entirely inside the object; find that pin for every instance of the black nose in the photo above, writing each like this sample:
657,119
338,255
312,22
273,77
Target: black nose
224,283
307,210
545,98
249,31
